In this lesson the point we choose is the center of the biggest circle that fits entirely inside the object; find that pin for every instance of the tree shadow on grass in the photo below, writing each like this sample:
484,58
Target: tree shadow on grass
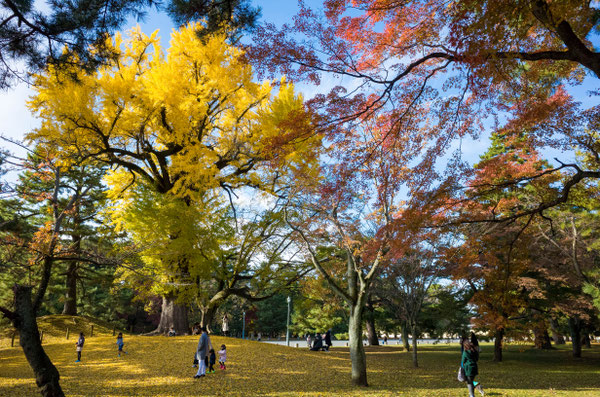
159,366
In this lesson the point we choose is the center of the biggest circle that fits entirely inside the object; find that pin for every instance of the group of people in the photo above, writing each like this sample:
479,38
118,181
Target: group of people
205,356
321,342
469,348
81,341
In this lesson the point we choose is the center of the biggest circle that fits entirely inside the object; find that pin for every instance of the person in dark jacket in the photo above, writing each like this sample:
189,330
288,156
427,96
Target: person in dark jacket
327,340
318,343
468,362
79,346
212,361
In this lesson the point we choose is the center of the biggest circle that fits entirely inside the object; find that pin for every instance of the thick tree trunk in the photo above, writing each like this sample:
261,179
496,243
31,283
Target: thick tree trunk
208,315
557,337
70,306
499,336
542,339
415,335
357,350
405,340
372,336
172,315
575,327
46,374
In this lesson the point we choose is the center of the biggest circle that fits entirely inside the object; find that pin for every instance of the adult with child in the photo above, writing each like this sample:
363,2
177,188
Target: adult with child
468,362
202,353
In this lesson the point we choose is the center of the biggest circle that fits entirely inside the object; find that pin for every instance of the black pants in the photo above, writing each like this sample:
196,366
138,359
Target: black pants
79,355
211,366
470,386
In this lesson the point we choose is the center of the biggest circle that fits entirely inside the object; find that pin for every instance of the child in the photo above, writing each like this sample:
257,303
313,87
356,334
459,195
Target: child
211,367
120,343
79,345
222,356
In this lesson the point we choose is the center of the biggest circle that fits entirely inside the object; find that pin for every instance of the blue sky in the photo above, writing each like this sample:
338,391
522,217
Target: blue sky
17,121
16,118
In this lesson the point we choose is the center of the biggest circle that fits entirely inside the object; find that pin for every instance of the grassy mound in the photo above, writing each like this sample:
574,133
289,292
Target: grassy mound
55,326
161,366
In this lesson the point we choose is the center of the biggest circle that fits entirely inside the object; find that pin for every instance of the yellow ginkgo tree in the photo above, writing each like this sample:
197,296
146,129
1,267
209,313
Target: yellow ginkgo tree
184,121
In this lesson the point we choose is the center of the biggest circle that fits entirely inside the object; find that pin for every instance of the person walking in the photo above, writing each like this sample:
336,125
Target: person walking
79,346
328,339
222,357
211,361
309,341
120,344
468,362
225,327
202,352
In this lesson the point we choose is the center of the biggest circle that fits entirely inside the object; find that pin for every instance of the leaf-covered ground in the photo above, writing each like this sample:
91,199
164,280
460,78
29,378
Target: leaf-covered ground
161,366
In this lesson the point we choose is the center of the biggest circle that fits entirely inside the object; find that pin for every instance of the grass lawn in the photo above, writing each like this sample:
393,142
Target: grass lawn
160,366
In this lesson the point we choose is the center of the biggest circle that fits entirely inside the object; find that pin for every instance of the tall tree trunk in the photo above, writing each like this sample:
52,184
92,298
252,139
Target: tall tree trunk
405,340
557,337
575,327
499,336
208,315
357,350
46,374
70,306
372,336
415,335
172,315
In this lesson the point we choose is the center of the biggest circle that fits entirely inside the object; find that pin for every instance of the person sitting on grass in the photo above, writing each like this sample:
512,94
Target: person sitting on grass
172,332
222,356
468,362
318,343
79,346
120,344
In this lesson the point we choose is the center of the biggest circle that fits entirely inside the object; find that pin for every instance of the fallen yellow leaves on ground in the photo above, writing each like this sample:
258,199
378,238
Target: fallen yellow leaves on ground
161,366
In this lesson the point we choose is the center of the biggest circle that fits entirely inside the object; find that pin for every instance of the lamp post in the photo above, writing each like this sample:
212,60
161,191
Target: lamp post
287,331
243,324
